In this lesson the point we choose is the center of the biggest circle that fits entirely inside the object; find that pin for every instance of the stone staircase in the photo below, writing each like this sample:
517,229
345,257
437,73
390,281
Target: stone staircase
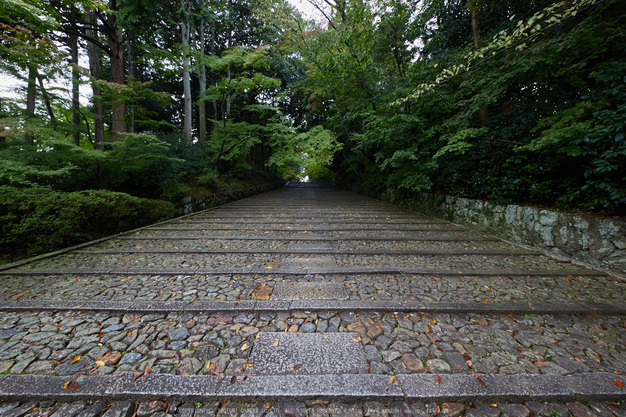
309,300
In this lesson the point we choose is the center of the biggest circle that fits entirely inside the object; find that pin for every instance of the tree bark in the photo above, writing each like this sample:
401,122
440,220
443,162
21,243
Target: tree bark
228,45
31,92
94,70
185,27
202,103
3,139
46,100
475,25
212,79
483,112
132,57
116,55
75,90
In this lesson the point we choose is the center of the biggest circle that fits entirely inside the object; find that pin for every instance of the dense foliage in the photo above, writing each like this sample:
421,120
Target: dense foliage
197,81
39,219
509,100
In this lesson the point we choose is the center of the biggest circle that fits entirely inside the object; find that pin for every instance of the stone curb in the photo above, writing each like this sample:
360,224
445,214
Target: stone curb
372,203
311,271
298,209
104,239
295,209
415,387
313,305
499,387
323,252
307,222
313,229
317,239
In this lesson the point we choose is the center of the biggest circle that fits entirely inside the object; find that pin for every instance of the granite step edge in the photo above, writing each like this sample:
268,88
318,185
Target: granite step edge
351,387
322,251
314,305
301,271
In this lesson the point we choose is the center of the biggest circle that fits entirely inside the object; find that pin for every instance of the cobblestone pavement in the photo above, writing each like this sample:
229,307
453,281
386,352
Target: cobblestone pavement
258,260
376,287
76,342
279,237
316,408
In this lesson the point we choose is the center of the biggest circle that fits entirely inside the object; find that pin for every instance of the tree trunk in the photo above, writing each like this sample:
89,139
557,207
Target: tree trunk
202,103
94,69
475,10
3,139
29,139
228,45
186,82
116,54
46,100
228,97
475,25
75,91
212,80
132,57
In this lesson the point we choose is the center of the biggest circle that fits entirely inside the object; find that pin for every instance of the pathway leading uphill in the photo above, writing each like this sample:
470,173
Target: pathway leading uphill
309,300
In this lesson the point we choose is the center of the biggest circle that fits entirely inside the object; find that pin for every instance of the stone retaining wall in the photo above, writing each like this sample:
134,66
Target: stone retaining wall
192,203
597,241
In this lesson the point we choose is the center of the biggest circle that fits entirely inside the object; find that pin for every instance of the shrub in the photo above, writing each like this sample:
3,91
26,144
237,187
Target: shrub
38,219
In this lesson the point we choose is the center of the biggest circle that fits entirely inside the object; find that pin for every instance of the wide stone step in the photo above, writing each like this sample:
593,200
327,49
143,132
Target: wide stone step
327,234
324,217
302,271
310,222
310,238
430,290
194,340
193,306
341,245
308,250
461,263
303,228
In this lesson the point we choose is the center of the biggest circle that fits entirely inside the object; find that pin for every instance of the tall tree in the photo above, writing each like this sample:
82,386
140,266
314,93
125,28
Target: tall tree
202,79
30,100
26,43
186,25
75,89
116,55
93,54
94,21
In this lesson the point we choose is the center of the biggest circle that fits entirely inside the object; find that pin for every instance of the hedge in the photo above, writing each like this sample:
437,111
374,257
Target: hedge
35,220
